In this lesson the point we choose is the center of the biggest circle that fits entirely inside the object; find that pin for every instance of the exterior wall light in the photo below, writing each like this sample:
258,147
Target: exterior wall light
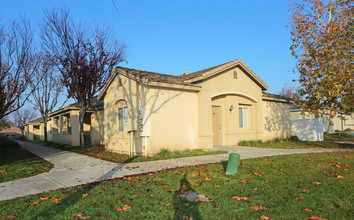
231,107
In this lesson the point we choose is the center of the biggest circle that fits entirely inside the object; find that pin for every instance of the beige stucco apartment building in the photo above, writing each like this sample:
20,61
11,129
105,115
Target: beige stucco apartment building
219,106
63,126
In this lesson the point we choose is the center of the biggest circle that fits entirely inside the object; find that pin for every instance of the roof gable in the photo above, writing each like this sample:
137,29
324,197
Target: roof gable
207,73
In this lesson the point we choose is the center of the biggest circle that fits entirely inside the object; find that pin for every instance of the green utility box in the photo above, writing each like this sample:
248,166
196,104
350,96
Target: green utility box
232,165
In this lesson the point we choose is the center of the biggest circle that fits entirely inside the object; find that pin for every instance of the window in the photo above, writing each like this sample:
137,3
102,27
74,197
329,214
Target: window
244,117
235,75
122,117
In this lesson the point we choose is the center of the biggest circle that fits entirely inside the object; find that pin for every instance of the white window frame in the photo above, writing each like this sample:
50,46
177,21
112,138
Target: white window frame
124,118
244,117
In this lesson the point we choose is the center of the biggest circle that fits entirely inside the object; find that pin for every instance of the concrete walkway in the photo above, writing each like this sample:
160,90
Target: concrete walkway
71,169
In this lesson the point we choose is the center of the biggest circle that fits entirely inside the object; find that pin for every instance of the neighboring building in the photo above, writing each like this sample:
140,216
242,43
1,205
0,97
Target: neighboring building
11,133
63,126
309,124
218,106
306,126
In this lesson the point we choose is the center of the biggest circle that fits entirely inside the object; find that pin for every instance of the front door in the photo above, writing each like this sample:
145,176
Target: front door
216,125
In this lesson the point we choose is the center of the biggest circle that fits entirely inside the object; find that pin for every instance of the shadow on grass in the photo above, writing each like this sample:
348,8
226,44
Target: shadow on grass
56,210
182,207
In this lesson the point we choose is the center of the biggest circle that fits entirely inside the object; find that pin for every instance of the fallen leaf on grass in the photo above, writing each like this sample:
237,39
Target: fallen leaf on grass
168,204
317,183
151,195
243,181
269,181
34,203
259,174
11,217
305,190
299,198
313,217
57,201
239,197
257,207
138,185
340,177
308,210
187,218
264,217
186,204
2,171
216,186
85,195
81,216
44,198
207,179
125,207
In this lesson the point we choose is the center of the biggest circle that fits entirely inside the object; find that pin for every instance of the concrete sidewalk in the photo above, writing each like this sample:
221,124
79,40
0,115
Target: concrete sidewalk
71,169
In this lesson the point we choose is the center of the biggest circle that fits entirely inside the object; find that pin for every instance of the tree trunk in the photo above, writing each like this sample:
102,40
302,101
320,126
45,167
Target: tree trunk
45,130
81,121
331,125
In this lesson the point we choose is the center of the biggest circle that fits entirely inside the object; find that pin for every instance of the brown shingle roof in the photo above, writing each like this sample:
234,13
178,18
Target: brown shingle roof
200,72
155,77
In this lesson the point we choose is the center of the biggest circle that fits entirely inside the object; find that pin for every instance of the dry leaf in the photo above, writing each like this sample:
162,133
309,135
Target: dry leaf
317,183
85,195
168,204
125,207
243,181
340,177
207,179
308,210
186,204
269,181
305,190
264,217
57,201
44,198
34,203
313,217
187,218
299,198
256,188
151,195
138,185
239,198
257,207
216,186
93,165
68,169
11,217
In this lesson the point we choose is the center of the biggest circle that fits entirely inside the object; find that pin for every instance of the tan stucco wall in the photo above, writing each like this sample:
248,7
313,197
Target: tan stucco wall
276,120
115,140
63,137
173,118
97,135
224,90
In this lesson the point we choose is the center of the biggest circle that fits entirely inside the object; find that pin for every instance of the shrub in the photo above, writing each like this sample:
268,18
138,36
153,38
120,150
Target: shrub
9,145
250,143
22,138
163,152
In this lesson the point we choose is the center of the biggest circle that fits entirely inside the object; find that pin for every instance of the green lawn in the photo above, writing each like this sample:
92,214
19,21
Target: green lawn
293,143
281,187
17,163
338,136
101,153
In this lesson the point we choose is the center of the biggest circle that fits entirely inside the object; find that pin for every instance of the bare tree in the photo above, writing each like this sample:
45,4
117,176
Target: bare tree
84,57
22,116
47,89
17,64
289,91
